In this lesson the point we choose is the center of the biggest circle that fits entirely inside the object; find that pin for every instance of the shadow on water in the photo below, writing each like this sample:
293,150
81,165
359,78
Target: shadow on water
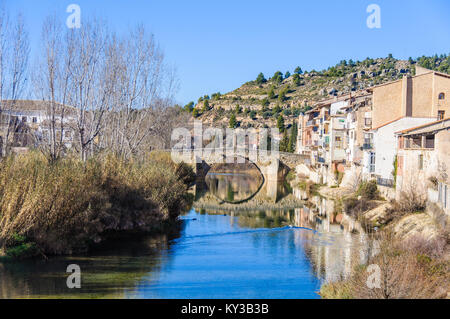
111,271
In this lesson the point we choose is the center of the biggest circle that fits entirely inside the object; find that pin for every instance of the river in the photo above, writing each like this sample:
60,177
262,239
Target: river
241,252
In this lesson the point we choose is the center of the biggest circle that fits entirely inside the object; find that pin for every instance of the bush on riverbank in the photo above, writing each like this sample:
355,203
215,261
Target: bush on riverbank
362,200
413,269
67,206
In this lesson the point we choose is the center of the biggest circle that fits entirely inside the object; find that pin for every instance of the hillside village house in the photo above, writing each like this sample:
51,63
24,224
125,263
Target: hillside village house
410,102
337,125
370,120
423,162
29,123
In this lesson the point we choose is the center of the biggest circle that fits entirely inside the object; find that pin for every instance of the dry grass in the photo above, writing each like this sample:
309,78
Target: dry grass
69,205
413,269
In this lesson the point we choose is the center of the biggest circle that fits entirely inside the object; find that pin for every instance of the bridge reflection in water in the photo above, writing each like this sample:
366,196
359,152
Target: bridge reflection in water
332,248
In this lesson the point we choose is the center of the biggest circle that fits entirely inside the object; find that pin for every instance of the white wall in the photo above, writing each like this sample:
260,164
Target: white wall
385,143
336,107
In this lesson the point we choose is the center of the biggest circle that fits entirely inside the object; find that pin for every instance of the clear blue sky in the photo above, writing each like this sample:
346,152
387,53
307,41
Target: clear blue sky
218,45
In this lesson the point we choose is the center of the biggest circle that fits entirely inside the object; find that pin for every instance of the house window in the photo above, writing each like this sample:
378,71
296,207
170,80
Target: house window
24,119
441,96
67,134
421,162
372,162
429,142
34,119
368,121
441,115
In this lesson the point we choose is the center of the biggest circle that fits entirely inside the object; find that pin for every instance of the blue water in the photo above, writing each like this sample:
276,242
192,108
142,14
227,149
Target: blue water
238,255
216,258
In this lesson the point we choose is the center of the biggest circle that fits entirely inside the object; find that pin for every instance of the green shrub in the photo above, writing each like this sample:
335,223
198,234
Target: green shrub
368,190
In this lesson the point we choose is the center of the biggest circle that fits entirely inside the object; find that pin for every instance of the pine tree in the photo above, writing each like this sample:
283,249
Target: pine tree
296,79
232,123
293,138
205,106
280,123
261,79
284,143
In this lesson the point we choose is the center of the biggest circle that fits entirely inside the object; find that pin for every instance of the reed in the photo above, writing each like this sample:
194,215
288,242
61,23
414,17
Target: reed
68,206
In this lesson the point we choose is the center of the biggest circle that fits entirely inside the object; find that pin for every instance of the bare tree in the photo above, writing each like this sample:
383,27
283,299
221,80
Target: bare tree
52,84
142,94
14,54
90,82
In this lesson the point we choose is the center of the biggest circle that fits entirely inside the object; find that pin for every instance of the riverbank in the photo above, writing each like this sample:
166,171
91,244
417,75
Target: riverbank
70,206
413,255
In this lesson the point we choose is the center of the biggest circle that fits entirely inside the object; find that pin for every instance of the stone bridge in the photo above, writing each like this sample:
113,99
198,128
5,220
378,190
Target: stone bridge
273,165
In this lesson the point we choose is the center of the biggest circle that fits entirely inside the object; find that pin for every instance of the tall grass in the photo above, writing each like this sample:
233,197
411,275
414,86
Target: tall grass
412,269
69,205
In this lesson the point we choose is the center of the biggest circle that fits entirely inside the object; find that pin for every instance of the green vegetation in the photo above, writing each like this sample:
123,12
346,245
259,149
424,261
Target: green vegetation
284,143
261,79
232,123
205,106
271,93
298,70
438,63
282,95
293,138
195,113
296,79
216,96
306,87
280,123
69,205
277,77
189,107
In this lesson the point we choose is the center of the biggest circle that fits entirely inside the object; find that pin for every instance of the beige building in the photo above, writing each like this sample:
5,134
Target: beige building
424,95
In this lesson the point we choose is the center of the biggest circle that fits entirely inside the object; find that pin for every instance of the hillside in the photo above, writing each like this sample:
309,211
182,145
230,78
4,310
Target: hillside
260,102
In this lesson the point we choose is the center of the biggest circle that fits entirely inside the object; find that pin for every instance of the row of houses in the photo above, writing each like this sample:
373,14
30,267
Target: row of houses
397,133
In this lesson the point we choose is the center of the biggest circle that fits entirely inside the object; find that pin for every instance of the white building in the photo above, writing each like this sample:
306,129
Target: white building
379,162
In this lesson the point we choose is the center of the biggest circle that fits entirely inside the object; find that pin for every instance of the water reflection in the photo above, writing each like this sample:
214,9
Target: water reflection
111,272
218,253
233,188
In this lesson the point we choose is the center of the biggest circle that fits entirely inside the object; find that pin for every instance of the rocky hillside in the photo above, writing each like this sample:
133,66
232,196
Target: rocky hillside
261,102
